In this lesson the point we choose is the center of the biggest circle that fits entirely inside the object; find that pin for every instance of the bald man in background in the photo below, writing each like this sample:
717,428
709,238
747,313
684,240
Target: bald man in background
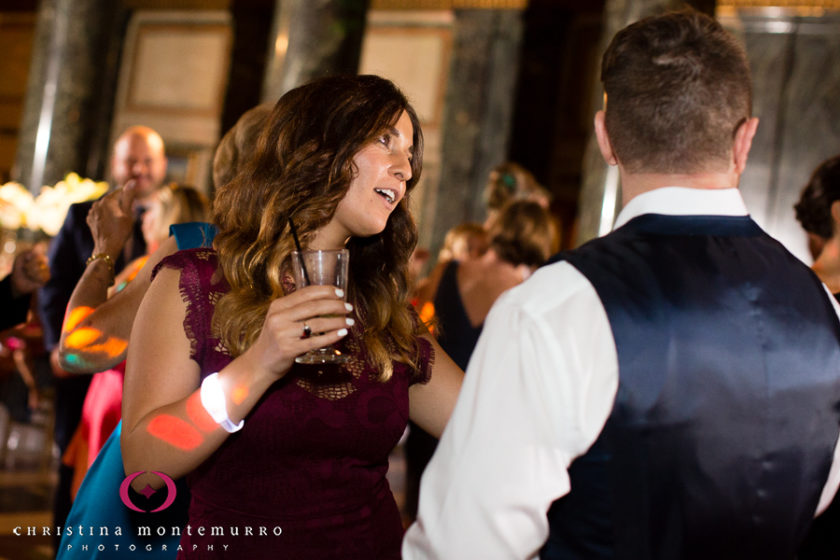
139,158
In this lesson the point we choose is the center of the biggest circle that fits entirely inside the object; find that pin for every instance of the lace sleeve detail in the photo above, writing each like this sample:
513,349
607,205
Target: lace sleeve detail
197,267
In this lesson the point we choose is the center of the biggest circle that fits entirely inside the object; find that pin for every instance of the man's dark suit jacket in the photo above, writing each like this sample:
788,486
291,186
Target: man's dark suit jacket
14,308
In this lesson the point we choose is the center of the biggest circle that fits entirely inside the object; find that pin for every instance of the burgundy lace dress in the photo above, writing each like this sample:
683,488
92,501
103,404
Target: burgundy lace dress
305,477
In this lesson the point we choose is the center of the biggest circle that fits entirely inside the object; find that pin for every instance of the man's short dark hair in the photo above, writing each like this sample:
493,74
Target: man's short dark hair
814,207
678,87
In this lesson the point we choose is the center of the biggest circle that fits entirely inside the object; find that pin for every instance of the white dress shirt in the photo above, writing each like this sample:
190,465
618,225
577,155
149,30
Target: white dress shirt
538,390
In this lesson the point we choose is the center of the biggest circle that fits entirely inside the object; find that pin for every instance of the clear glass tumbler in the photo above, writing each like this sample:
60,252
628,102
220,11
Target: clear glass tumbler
321,268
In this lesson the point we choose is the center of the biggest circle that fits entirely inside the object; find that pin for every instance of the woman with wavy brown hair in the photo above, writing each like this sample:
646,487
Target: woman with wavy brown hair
290,460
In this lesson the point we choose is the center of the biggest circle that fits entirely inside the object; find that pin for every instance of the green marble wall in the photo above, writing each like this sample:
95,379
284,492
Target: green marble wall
600,193
794,62
478,109
311,39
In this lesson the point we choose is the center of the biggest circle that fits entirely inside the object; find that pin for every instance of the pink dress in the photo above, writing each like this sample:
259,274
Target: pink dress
101,413
305,477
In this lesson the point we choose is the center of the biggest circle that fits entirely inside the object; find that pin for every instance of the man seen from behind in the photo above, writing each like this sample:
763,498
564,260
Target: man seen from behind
670,390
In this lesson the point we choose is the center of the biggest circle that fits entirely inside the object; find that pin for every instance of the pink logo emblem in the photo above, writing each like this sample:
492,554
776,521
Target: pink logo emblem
148,491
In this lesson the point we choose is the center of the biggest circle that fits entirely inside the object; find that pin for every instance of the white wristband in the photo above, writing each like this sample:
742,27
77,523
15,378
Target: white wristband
213,401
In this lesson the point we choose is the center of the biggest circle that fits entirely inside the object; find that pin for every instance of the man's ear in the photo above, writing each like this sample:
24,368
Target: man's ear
743,141
835,215
603,138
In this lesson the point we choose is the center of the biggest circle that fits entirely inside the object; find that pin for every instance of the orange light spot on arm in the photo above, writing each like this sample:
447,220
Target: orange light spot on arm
198,415
140,263
82,338
76,316
427,312
112,347
427,315
175,431
239,394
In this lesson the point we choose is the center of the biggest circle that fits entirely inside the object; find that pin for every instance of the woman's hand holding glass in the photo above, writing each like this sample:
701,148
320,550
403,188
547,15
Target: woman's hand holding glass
321,267
284,334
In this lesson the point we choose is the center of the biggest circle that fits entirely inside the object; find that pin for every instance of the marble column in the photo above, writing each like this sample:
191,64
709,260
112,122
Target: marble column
69,92
600,194
477,116
312,39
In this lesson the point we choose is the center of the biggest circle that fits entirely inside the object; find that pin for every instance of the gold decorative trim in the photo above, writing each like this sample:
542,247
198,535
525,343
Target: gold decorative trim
177,4
448,4
795,4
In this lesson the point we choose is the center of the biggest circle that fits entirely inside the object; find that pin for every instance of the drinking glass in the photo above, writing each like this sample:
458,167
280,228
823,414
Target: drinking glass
321,268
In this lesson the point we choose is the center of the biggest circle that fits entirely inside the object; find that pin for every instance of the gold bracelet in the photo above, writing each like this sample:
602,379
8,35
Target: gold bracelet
108,260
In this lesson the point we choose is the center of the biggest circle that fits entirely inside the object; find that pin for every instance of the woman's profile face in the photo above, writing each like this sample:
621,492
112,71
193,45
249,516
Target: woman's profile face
383,168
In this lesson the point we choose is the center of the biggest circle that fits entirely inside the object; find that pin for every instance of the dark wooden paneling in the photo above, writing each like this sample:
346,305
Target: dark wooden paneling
17,32
553,115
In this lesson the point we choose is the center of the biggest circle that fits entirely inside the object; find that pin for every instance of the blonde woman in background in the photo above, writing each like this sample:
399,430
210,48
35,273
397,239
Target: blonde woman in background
174,204
463,242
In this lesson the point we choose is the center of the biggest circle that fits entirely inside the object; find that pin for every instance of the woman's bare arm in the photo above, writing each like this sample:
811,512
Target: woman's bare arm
165,427
96,328
431,404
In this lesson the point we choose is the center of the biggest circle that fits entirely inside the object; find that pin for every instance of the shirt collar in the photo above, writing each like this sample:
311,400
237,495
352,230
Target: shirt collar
681,201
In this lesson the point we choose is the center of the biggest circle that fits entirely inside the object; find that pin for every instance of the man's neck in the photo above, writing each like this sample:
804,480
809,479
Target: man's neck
634,184
142,201
827,265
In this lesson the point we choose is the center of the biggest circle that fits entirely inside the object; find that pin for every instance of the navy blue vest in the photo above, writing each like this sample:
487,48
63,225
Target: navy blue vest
726,416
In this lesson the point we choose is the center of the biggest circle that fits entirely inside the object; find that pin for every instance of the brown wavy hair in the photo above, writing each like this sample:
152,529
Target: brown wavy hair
300,171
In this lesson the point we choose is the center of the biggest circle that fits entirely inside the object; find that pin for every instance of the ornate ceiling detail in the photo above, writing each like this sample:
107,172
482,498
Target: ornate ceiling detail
448,4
